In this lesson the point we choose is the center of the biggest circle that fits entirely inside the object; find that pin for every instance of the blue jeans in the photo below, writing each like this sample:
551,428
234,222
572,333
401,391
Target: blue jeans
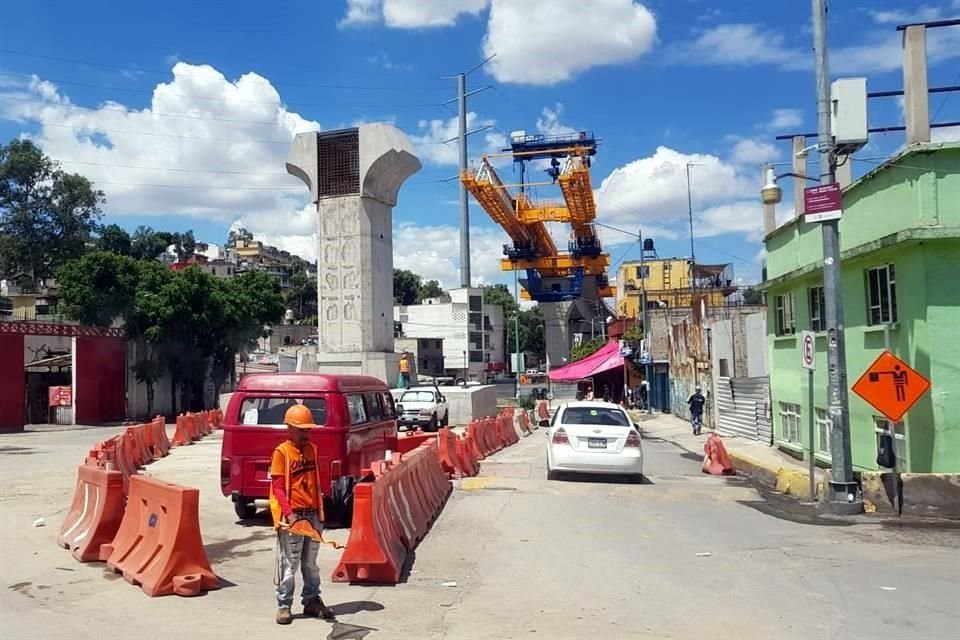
298,552
696,419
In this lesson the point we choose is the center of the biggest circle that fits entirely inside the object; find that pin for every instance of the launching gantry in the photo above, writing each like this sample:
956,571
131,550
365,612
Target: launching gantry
552,275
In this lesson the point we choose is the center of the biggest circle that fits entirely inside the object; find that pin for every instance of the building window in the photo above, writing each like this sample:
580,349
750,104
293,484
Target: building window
818,316
724,368
881,295
899,439
790,422
783,309
356,410
643,272
824,429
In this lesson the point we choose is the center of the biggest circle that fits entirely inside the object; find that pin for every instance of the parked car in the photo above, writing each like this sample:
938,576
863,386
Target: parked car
356,422
593,437
423,407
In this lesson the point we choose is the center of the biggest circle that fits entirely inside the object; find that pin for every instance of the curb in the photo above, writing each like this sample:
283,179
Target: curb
792,482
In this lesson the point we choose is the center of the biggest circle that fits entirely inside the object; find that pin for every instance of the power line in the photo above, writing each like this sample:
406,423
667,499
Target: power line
177,169
196,186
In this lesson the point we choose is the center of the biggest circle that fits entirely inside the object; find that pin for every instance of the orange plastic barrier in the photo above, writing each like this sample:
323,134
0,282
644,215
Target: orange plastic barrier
159,545
182,436
413,439
95,513
192,427
391,515
715,460
447,448
159,440
204,426
527,424
466,456
123,449
140,450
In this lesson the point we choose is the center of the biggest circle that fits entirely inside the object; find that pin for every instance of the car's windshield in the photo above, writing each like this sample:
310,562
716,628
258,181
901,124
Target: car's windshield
270,411
417,396
595,415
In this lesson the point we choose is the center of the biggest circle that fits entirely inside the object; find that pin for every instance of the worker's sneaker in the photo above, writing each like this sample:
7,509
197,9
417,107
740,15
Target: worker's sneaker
284,616
316,609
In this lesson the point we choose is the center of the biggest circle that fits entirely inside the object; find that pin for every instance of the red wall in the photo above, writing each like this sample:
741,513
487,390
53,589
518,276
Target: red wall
101,393
12,386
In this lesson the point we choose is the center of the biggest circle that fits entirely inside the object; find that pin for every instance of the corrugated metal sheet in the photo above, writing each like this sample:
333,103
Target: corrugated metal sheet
744,408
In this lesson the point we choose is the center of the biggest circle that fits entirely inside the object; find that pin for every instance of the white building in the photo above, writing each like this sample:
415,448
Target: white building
472,332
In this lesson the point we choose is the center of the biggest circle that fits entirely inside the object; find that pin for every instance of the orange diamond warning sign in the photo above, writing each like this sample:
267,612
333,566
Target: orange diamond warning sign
891,386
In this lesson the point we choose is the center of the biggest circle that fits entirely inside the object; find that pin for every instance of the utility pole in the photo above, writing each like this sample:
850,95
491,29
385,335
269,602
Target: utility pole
693,257
516,329
843,494
461,100
646,326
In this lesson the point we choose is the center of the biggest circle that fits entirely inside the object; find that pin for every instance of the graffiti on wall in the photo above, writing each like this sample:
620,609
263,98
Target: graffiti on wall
689,355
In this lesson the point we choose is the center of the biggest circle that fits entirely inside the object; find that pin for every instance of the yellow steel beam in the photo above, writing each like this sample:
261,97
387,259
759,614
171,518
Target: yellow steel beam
558,263
544,214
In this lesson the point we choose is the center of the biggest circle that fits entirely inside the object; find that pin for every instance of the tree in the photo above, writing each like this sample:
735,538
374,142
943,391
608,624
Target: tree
98,287
430,289
587,348
184,244
752,296
301,294
238,234
115,239
46,215
406,287
498,294
147,244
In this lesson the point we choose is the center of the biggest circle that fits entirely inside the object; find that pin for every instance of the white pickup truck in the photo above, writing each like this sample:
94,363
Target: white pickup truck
422,407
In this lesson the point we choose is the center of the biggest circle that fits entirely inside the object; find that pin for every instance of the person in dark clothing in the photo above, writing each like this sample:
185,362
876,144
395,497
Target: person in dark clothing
696,402
607,396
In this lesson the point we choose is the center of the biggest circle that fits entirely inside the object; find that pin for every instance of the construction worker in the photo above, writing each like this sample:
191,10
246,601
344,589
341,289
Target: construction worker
404,371
696,402
295,495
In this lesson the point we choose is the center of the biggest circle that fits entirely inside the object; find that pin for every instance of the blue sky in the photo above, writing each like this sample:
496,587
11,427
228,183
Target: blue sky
182,111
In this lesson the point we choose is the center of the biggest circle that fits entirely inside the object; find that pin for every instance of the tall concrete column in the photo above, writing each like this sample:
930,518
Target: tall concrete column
354,176
769,210
799,160
916,101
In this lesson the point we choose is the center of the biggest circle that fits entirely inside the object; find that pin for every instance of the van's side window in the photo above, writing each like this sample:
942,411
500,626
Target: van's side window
270,411
372,403
389,411
358,414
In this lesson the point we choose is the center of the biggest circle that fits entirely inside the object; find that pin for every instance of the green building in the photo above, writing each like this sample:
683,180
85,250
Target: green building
900,248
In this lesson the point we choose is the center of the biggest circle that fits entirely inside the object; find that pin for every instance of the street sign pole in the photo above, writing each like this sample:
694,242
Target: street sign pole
808,355
897,484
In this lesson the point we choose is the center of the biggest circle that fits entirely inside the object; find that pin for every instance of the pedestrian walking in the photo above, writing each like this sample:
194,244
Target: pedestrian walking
404,371
294,497
696,402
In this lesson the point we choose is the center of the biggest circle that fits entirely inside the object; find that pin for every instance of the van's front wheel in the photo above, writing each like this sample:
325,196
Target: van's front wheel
244,510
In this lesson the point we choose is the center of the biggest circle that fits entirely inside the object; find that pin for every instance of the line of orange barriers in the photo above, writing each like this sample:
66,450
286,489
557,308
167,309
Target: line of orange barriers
394,509
144,528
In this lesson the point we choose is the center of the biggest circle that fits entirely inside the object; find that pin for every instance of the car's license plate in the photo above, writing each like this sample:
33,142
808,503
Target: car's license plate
596,443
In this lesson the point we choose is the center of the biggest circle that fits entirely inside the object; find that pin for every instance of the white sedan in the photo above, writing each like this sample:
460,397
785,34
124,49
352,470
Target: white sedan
593,437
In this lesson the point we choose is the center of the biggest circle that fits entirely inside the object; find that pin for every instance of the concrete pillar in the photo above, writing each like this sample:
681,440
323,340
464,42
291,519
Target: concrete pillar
354,176
844,173
769,210
799,160
916,101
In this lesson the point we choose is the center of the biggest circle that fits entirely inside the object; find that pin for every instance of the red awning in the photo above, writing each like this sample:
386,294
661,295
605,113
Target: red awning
607,358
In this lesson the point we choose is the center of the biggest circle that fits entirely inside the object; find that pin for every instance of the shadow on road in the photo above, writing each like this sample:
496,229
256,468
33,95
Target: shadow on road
603,478
790,509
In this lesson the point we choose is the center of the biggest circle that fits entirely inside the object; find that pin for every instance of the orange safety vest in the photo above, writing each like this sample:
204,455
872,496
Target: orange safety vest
404,365
275,510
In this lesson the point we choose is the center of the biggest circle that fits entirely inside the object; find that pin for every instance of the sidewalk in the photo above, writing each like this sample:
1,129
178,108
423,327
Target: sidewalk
755,459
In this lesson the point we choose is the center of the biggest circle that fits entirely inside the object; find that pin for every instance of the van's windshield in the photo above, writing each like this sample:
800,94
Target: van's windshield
270,411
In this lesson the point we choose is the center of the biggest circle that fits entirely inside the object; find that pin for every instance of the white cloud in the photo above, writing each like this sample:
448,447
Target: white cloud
215,147
652,192
549,122
432,146
538,43
433,252
734,44
410,14
782,119
753,152
738,217
921,14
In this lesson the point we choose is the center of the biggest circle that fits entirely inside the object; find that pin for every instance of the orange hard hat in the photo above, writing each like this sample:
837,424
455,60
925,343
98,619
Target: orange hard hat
299,416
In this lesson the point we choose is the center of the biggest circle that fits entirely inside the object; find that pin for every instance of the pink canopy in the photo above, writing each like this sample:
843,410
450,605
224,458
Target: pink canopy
606,358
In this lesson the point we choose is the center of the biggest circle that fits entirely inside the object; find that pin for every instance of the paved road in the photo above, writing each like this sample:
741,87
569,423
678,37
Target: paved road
530,559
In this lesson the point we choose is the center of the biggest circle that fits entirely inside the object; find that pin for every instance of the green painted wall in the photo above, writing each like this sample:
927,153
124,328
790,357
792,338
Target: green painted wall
927,334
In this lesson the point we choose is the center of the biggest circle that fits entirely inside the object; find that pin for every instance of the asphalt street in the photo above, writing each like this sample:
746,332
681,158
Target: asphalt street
511,556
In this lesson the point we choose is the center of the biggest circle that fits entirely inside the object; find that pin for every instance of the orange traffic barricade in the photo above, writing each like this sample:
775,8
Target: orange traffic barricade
95,513
181,436
158,545
715,459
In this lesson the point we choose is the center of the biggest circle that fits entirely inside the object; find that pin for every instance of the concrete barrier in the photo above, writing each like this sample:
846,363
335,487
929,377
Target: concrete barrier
469,403
924,494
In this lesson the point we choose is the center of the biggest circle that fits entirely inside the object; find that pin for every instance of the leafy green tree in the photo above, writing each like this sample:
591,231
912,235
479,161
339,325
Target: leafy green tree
184,244
587,348
98,288
500,295
147,244
752,296
430,289
406,287
115,239
301,294
46,215
532,339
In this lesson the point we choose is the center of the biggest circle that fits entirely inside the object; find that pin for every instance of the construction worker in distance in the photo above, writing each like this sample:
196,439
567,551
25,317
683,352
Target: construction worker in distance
404,371
295,495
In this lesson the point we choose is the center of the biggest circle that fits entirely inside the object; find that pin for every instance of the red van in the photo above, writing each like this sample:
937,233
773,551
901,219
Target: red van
357,426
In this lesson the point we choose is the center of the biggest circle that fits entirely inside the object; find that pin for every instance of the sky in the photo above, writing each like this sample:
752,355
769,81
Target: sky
183,112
